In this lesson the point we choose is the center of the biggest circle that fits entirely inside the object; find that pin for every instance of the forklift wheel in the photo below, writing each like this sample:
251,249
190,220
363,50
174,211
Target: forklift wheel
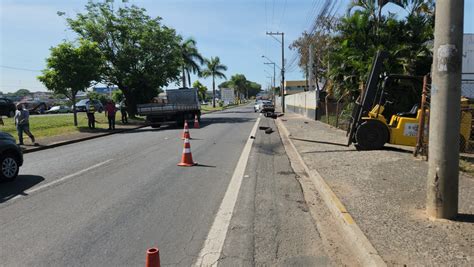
371,135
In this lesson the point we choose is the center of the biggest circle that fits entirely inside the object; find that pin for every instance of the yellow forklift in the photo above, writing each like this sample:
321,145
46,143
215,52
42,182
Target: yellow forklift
389,111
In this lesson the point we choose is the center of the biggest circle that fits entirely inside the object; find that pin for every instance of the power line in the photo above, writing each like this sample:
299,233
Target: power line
282,14
273,14
15,68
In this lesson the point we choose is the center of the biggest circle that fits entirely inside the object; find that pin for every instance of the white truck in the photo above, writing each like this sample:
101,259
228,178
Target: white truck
172,106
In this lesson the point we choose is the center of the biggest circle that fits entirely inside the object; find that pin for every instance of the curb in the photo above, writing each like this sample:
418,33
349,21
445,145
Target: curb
363,249
68,142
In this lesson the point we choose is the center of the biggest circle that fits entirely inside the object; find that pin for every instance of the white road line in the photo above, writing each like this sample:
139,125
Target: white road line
212,249
28,192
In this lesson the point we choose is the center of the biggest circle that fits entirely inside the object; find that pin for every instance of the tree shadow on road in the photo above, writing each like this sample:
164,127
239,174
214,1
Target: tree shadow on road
9,190
220,120
85,129
236,112
143,130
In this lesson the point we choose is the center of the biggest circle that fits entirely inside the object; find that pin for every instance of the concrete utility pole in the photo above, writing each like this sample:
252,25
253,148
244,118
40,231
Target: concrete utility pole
443,172
282,88
312,80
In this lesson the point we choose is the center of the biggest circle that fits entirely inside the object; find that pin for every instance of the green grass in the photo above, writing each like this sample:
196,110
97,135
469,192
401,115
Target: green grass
206,109
54,125
466,166
209,108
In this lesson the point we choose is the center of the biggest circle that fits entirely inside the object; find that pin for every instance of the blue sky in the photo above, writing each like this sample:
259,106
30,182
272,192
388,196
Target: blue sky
233,30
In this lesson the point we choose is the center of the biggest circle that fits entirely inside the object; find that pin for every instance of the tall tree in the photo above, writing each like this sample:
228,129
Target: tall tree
201,90
142,54
214,69
242,86
192,60
22,92
72,69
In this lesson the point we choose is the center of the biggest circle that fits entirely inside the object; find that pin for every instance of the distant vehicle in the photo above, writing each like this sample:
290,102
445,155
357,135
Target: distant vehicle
35,107
81,105
264,106
7,107
174,106
59,109
11,157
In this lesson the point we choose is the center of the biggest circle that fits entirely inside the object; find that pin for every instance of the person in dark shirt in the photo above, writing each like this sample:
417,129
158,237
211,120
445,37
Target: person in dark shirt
110,114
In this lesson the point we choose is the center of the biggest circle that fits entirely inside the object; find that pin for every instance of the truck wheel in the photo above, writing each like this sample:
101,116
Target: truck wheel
155,126
371,135
11,114
9,167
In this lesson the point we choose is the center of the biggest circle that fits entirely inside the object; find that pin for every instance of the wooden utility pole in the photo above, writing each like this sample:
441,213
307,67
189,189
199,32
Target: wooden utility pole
443,151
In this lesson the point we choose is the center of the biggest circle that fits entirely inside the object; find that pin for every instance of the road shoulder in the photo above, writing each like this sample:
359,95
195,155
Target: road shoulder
271,224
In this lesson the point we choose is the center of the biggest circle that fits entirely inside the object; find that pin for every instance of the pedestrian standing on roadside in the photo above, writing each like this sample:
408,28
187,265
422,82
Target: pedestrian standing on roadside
90,110
123,111
1,120
110,113
22,123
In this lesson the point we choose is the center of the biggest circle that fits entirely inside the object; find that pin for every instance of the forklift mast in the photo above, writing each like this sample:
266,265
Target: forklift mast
365,102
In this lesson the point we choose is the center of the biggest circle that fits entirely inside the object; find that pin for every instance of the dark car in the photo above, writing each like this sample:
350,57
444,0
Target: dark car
7,107
81,105
11,157
265,106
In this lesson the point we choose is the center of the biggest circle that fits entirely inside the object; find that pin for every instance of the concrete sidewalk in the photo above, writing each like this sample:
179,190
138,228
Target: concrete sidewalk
384,191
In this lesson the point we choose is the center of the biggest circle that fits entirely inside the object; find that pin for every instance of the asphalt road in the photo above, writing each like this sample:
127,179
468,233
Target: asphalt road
103,202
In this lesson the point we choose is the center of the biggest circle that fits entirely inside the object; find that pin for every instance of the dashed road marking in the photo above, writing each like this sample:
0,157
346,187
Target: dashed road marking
29,192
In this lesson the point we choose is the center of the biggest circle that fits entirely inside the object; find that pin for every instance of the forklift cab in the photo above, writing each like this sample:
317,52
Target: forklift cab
394,115
388,111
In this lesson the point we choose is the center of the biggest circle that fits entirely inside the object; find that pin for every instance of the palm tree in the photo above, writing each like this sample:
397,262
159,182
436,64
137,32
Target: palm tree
214,69
192,60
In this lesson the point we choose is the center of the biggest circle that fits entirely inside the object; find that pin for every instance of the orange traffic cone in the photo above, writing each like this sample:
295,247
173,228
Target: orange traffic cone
196,122
153,257
187,158
186,134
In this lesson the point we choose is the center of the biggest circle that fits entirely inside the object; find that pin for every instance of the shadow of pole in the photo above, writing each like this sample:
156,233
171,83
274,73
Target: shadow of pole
319,142
463,217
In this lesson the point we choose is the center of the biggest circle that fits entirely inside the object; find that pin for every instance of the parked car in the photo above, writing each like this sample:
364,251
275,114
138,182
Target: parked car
264,106
81,105
59,109
11,157
7,107
256,107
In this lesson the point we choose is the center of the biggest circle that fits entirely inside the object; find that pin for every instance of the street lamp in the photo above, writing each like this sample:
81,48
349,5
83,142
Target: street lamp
274,76
282,89
271,63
